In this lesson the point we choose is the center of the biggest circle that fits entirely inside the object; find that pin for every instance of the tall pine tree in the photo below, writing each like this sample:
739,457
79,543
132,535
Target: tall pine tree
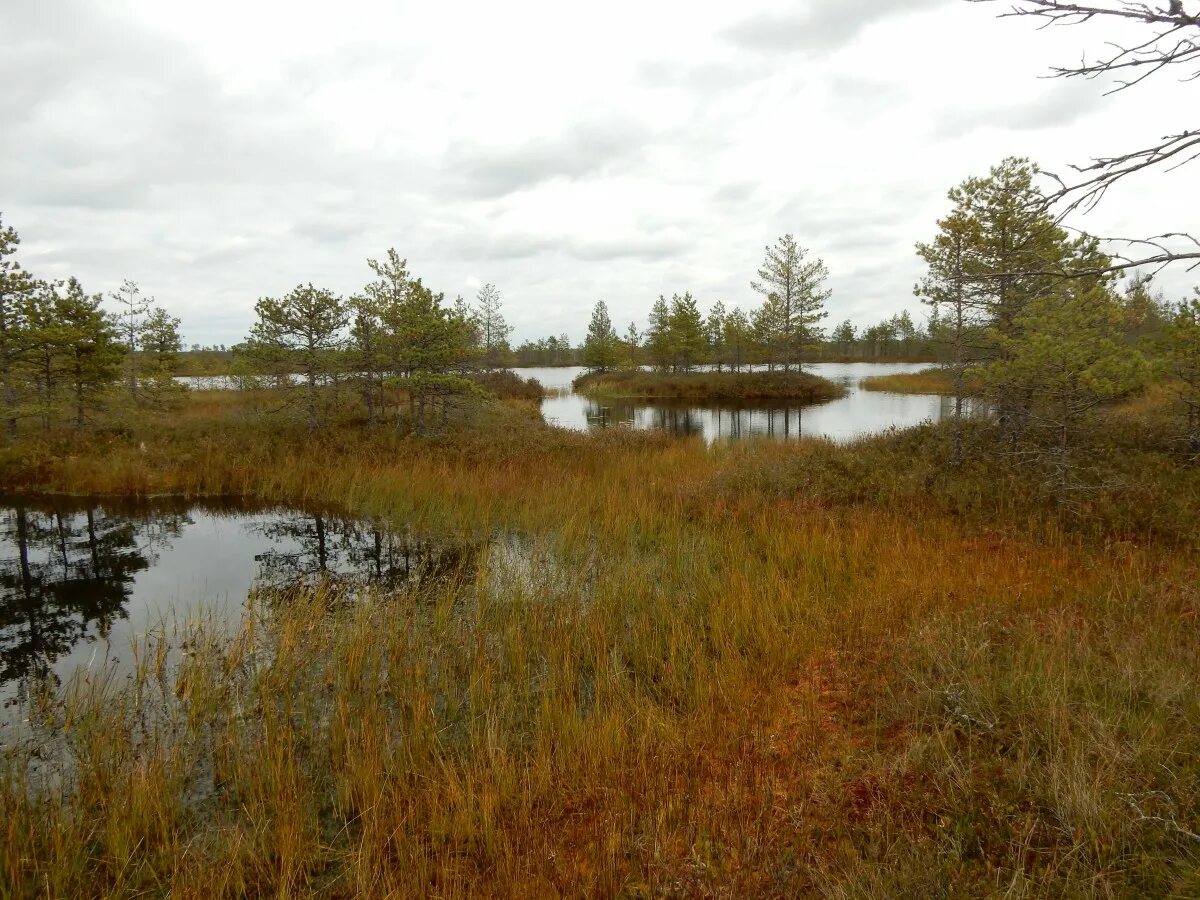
795,291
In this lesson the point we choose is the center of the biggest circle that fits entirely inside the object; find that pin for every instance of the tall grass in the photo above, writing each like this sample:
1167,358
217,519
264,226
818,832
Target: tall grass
757,671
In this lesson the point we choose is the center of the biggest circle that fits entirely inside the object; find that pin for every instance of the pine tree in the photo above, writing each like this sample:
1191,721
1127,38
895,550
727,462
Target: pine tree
160,344
714,335
633,345
92,351
659,348
367,349
1147,314
74,352
476,354
425,342
764,332
844,336
795,290
738,339
493,329
998,254
688,342
1070,357
1013,251
15,288
906,331
45,341
601,347
947,284
131,310
301,328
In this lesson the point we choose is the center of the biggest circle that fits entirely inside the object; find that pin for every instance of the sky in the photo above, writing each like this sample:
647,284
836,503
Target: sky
216,153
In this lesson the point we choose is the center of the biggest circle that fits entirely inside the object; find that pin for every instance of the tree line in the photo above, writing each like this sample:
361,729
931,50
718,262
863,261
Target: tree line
395,328
67,357
679,337
62,353
783,332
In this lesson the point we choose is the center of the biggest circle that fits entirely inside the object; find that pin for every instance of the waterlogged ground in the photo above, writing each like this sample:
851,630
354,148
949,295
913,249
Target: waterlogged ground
858,413
855,415
81,581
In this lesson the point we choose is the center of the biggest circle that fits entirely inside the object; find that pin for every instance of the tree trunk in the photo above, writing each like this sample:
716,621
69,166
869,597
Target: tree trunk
959,372
322,553
7,393
370,397
48,394
313,421
78,394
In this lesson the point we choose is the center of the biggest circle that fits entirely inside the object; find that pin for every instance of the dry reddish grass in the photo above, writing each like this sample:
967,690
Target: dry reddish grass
753,682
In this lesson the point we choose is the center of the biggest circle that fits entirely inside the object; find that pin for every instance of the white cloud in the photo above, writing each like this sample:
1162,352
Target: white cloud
567,154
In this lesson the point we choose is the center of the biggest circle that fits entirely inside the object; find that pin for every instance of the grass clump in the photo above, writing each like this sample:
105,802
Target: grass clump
508,385
802,387
927,381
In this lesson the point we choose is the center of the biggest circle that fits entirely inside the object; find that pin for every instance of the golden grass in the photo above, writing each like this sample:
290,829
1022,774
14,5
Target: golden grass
636,383
927,381
764,670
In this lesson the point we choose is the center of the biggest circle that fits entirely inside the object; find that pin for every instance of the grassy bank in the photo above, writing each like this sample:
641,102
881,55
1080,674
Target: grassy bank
508,385
760,670
636,383
927,381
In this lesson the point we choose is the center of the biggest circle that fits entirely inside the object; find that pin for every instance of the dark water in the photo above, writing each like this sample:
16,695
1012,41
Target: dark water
80,581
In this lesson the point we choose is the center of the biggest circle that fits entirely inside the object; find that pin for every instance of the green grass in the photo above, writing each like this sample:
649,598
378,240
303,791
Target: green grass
801,387
762,669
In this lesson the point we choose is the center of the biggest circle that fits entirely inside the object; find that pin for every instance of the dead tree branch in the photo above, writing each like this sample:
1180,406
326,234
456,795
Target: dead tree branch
1173,43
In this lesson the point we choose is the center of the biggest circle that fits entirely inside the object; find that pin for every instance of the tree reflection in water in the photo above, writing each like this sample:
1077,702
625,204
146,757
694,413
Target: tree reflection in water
69,573
309,547
65,575
681,418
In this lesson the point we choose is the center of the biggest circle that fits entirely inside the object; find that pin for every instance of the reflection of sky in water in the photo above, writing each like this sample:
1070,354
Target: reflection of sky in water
133,566
78,586
209,562
859,413
131,569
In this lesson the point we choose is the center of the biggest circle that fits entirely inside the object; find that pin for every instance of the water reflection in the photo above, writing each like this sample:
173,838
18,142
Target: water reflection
80,581
306,548
61,576
860,412
710,422
857,414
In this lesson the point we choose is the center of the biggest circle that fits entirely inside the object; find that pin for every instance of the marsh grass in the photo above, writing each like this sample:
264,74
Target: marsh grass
508,385
759,670
636,383
927,381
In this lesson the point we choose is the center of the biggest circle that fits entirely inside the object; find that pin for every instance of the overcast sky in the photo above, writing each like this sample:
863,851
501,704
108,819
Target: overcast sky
217,152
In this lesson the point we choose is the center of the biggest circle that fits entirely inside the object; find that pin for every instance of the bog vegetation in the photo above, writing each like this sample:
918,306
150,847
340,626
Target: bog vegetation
708,385
959,655
959,659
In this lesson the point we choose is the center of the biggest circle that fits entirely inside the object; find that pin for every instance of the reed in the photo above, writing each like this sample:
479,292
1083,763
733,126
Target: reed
759,670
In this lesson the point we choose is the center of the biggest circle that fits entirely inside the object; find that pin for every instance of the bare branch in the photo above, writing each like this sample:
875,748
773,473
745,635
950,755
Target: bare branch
1176,150
1174,41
